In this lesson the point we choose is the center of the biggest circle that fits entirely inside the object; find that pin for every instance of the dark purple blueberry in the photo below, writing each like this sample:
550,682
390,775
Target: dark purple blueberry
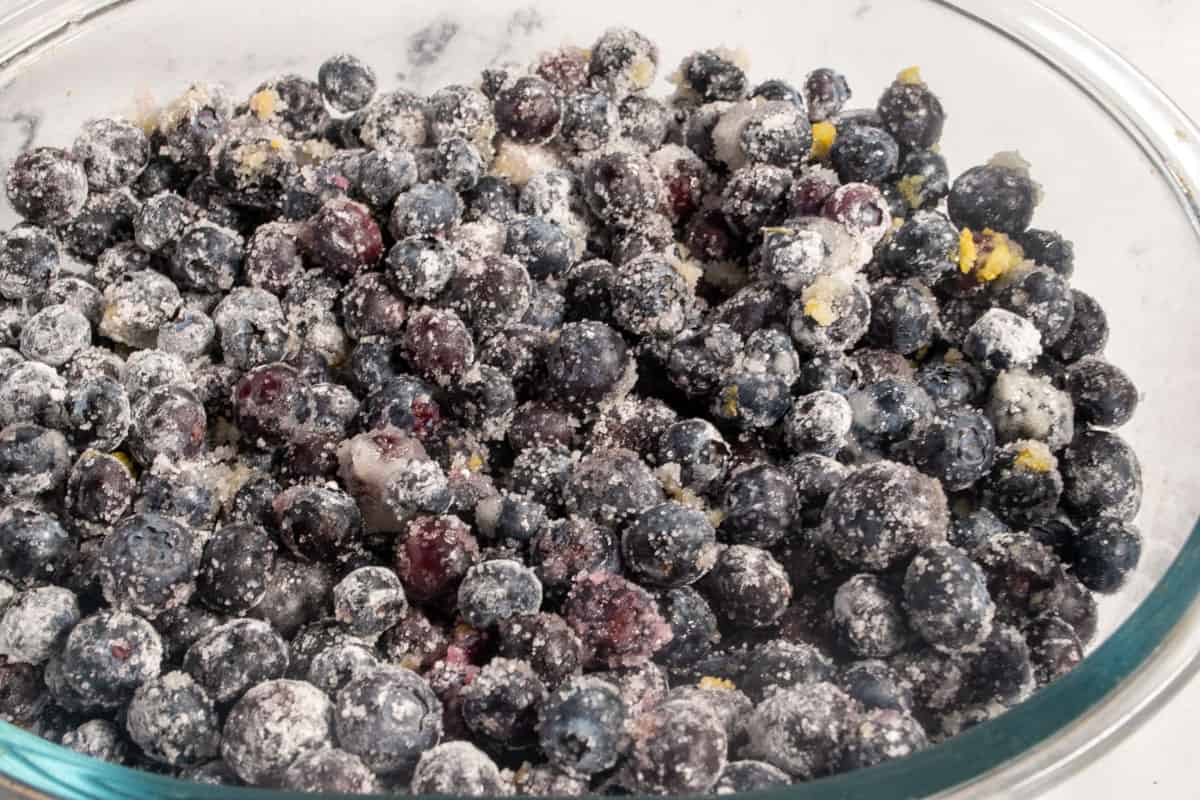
781,664
680,749
669,545
540,245
1054,648
492,294
100,488
47,186
509,516
1101,476
1105,552
1088,333
947,599
173,721
621,187
1048,249
710,238
589,119
923,179
316,522
580,726
265,401
272,725
113,153
494,591
414,642
438,344
974,529
346,83
755,197
330,770
876,685
458,768
758,506
343,238
458,164
491,198
747,586
30,259
1001,340
611,487
297,594
528,110
371,308
33,461
623,62
547,643
420,268
500,706
148,564
863,154
803,730
713,75
694,630
957,447
752,400
924,247
911,112
402,402
779,91
867,618
698,450
234,567
291,104
1102,393
1043,297
587,362
1024,485
881,736
568,547
105,221
616,619
107,657
825,92
993,196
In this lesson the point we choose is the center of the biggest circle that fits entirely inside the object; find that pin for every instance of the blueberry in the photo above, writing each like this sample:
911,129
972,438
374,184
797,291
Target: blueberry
924,179
458,164
950,384
438,344
780,664
700,452
947,599
47,186
99,739
173,721
713,75
55,334
491,294
1044,298
252,328
330,770
30,260
317,522
427,209
1088,333
680,748
497,590
864,154
580,726
957,447
621,187
993,196
644,120
758,505
272,725
297,593
294,107
100,488
567,547
371,308
33,461
747,586
169,421
669,545
781,91
1102,393
814,477
1024,485
1001,340
589,119
1054,648
883,735
924,247
831,315
802,730
108,656
699,360
529,110
1048,249
617,620
825,92
876,685
235,562
191,335
491,198
912,113
777,133
889,412
1101,476
457,768
752,400
35,624
749,776
347,84
540,245
884,512
148,564
623,62
868,619
755,197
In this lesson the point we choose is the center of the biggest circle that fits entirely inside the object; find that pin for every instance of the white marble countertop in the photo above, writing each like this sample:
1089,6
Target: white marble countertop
1158,37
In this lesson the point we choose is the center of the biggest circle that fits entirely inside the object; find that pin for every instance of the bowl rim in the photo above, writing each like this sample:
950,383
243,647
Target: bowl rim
1026,750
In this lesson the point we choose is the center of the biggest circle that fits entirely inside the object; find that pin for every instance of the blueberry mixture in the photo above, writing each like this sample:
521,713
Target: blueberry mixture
545,437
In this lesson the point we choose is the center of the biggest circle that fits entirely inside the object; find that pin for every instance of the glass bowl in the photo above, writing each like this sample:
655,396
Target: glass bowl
1119,162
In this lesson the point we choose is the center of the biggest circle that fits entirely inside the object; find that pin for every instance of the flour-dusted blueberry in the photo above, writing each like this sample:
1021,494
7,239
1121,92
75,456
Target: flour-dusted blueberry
433,556
1088,333
819,422
30,260
252,327
420,268
458,164
589,120
105,221
1001,340
623,62
427,209
107,656
1101,476
616,619
148,564
825,92
1105,552
830,315
957,447
713,75
100,488
47,186
699,360
621,187
700,452
747,586
803,730
458,768
1044,298
388,718
864,154
889,412
580,726
669,545
911,112
999,195
973,529
1025,484
329,770
99,739
883,513
491,294
272,725
749,776
297,593
369,600
55,334
1102,393
173,721
755,197
500,706
883,735
529,110
611,487
1048,249
868,618
904,317
951,383
347,83
317,522
540,245
496,590
1054,648
335,666
33,461
35,624
677,748
751,400
113,153
438,344
234,566
779,664
236,656
567,547
169,421
876,685
947,599
191,335
923,179
758,505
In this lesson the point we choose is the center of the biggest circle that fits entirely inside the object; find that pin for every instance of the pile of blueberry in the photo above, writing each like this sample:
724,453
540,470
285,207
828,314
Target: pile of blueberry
543,437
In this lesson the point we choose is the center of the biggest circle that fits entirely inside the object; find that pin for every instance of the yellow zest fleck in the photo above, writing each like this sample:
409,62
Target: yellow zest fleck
126,462
953,356
411,662
824,135
709,682
263,103
474,463
729,401
897,222
1035,457
277,144
1000,260
820,310
715,517
783,231
910,188
920,355
641,72
463,630
911,76
967,251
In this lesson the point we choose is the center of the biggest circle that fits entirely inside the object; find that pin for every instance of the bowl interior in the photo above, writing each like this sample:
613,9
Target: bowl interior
1136,250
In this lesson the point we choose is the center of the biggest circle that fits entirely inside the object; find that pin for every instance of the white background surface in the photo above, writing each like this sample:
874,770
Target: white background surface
1158,37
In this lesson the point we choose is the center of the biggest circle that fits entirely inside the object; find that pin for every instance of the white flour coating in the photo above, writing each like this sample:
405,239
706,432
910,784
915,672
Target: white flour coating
1026,406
